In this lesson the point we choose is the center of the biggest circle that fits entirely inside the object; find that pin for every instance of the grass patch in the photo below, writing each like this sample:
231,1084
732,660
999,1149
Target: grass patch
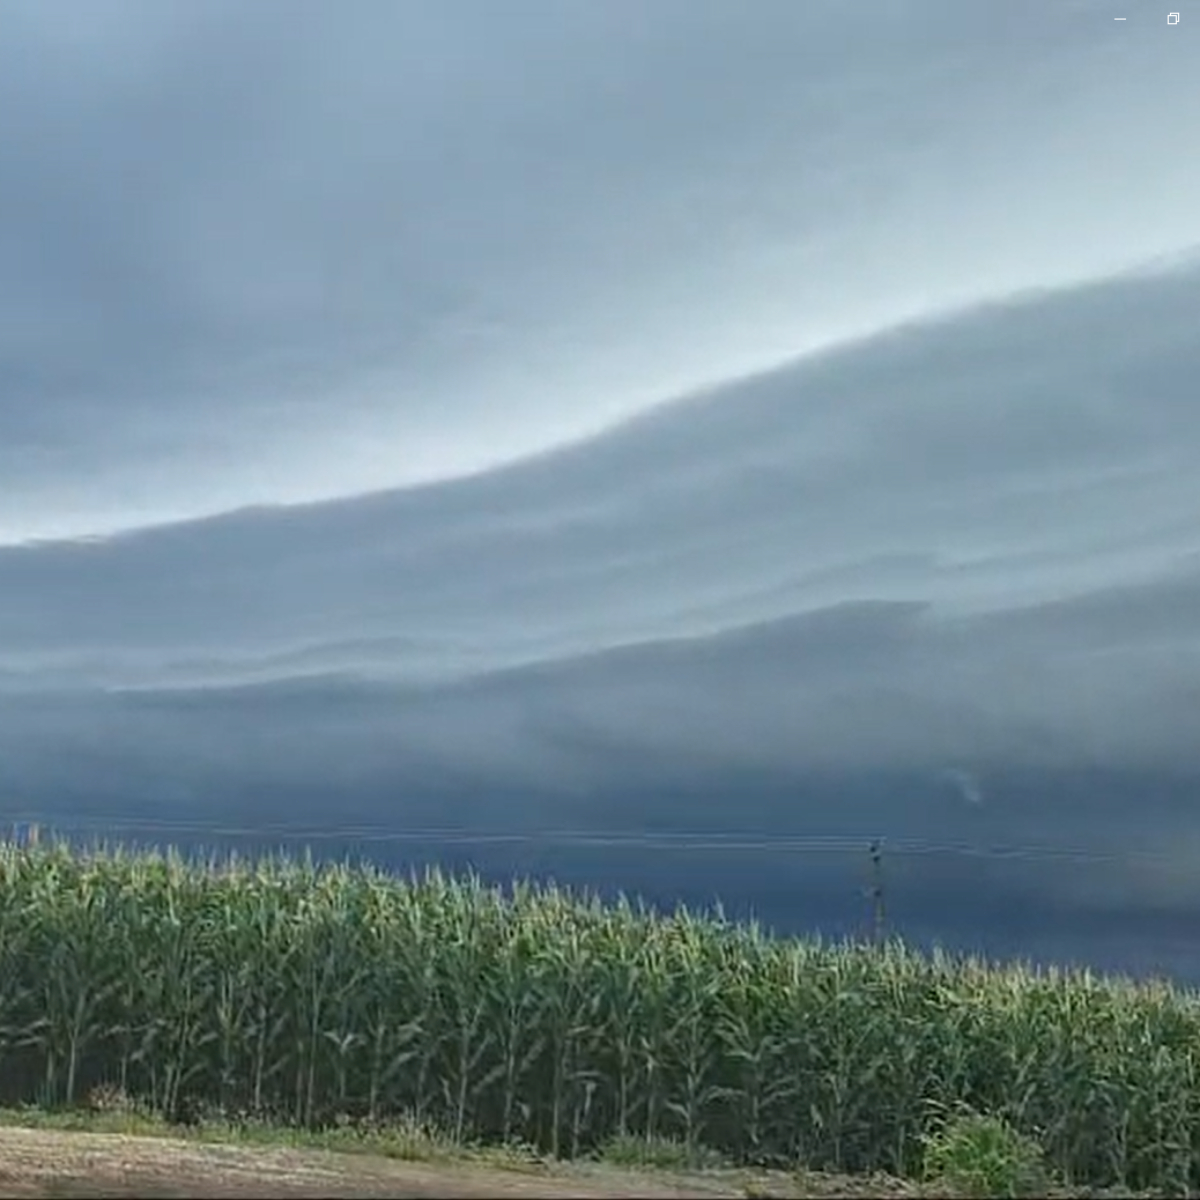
962,1163
403,1140
982,1156
660,1153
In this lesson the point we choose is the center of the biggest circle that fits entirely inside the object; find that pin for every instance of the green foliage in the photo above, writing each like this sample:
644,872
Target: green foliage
984,1156
283,992
630,1150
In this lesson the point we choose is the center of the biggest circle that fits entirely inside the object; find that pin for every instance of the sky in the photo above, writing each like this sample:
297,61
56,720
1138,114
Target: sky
560,415
295,251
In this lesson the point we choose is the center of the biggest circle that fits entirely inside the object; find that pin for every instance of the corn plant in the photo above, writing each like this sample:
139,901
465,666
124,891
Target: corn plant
312,994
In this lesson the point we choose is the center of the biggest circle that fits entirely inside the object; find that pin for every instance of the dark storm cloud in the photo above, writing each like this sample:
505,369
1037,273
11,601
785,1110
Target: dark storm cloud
911,552
775,577
855,723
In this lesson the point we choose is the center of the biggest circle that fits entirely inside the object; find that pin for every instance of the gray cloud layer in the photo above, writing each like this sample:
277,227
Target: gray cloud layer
296,250
689,402
956,548
1019,454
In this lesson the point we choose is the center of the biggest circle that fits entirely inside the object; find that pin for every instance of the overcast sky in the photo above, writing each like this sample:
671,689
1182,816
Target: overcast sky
653,401
294,250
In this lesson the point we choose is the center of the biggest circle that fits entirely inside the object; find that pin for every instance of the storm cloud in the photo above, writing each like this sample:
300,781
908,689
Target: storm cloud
781,421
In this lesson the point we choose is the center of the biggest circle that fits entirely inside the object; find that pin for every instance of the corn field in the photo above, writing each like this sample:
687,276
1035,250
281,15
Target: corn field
304,994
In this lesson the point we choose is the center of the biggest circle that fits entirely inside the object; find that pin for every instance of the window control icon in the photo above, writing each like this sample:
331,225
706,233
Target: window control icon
1172,18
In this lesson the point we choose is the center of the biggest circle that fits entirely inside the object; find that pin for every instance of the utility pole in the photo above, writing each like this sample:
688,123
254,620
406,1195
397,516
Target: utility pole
876,853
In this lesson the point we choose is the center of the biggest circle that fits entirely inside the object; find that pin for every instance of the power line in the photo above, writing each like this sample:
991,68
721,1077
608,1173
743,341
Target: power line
725,841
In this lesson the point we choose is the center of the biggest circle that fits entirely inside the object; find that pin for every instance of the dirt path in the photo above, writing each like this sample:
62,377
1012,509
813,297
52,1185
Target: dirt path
43,1164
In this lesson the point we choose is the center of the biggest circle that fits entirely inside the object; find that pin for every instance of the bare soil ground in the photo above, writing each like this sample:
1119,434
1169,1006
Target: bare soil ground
40,1163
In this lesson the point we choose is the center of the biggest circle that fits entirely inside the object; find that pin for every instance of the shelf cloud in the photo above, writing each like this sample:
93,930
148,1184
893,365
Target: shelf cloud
587,416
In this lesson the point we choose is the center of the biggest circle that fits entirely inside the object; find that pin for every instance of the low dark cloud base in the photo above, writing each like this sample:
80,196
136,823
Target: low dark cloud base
942,588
